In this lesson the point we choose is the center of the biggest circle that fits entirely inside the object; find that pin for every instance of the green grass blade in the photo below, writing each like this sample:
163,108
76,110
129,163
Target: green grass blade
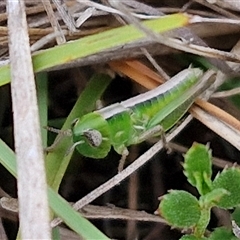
5,75
56,161
42,90
56,234
81,226
72,218
66,53
7,158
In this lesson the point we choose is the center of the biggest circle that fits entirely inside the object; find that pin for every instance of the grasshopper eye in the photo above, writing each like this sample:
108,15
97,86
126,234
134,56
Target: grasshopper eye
94,137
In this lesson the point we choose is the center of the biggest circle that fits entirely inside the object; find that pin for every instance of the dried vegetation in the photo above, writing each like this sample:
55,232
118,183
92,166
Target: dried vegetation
212,33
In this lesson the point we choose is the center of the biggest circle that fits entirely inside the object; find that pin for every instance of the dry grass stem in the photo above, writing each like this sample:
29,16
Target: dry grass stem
32,187
219,113
222,129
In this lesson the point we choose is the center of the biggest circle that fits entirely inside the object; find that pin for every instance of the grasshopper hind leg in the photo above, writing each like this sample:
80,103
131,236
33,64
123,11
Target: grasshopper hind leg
156,130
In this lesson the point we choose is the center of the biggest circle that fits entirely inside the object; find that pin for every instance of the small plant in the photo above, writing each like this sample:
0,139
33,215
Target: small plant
183,210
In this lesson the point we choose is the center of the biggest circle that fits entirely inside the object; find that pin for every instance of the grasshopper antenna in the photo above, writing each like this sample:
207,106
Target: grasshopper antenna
59,131
61,135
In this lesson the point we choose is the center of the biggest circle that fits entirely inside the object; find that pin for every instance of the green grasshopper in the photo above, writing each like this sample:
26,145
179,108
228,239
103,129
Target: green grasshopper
137,119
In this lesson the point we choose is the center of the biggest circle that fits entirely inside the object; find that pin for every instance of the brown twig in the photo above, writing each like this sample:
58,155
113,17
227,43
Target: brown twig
219,113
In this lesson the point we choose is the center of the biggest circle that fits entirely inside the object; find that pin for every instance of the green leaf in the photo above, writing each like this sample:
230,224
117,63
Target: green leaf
222,234
212,198
228,179
191,237
198,167
89,45
236,215
180,209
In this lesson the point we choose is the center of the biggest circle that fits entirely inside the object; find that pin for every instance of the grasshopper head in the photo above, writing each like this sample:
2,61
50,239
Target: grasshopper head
91,135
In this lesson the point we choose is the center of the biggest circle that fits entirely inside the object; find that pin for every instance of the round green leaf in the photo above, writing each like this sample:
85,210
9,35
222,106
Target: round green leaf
236,215
222,234
180,209
212,198
198,167
228,179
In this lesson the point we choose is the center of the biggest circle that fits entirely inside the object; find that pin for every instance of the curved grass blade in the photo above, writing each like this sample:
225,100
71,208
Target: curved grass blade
72,218
57,161
42,90
71,51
